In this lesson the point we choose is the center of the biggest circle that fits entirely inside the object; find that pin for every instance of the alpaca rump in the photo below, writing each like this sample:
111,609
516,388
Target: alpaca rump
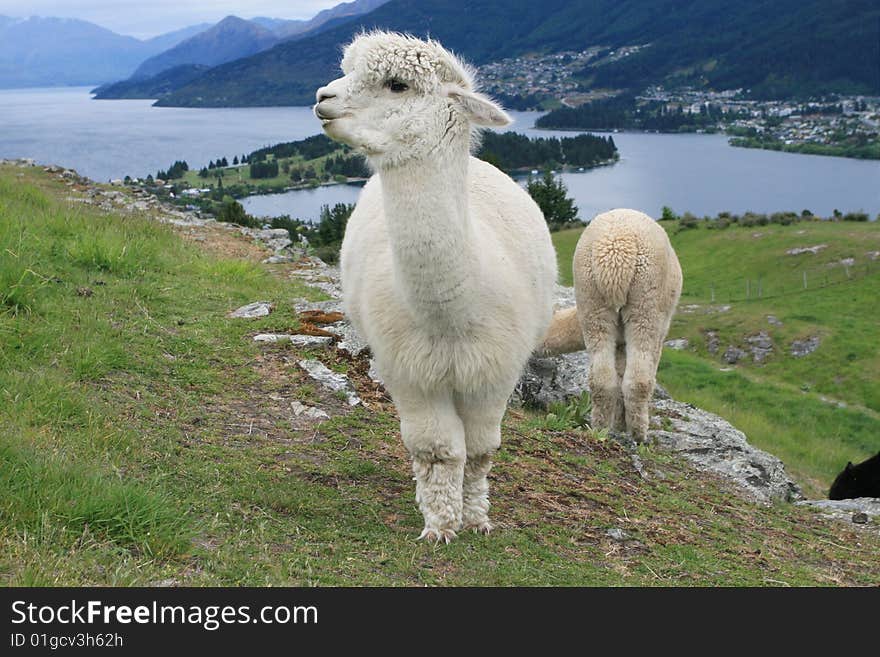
862,480
627,282
447,265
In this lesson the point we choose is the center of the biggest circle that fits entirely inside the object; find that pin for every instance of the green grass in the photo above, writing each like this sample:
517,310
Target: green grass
145,439
86,300
778,403
240,174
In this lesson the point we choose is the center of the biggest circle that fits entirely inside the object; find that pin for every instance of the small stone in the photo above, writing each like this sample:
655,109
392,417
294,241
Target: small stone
773,320
252,310
677,344
806,249
617,534
296,340
279,258
712,342
301,410
860,518
331,380
84,292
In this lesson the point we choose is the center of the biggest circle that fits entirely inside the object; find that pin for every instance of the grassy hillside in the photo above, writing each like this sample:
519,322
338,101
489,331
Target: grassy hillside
145,439
785,404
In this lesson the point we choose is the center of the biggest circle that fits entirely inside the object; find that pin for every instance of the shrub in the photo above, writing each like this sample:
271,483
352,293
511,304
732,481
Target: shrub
668,214
688,221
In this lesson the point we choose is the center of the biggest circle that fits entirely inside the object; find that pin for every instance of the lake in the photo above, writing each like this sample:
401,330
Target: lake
698,173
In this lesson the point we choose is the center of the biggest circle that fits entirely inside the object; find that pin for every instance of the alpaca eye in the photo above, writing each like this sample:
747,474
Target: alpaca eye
397,86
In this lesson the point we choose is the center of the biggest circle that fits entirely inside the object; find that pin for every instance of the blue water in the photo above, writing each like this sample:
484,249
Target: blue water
697,173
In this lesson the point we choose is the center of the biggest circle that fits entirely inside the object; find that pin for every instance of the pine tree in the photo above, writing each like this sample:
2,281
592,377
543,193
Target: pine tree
551,196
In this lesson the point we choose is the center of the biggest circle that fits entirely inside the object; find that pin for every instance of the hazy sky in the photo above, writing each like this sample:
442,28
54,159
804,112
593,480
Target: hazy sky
148,18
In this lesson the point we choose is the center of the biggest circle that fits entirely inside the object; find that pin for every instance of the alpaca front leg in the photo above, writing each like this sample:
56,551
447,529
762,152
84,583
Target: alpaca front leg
481,416
434,436
475,494
439,494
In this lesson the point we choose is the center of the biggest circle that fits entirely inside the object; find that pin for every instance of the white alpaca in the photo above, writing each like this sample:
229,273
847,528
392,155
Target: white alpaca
447,264
627,281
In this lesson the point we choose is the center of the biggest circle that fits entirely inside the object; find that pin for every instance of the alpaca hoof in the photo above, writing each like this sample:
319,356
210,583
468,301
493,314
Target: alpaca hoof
481,527
437,535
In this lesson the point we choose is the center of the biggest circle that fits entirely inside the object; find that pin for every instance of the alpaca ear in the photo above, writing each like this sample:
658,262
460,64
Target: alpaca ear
478,108
849,465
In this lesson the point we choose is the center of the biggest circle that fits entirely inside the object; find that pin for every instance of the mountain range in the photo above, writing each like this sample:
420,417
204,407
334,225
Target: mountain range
231,38
64,51
60,51
775,47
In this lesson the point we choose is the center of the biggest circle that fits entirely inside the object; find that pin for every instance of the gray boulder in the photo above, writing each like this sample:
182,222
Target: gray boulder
251,310
801,348
761,346
712,342
861,510
714,445
733,355
335,381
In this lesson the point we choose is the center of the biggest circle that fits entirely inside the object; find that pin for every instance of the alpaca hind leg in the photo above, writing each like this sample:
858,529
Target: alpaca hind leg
434,436
619,420
638,380
600,339
482,429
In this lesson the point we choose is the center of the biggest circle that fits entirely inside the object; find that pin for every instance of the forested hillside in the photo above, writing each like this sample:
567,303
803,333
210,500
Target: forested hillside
776,48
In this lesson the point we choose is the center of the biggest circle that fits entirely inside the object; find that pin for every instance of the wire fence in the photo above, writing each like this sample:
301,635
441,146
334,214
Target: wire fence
763,286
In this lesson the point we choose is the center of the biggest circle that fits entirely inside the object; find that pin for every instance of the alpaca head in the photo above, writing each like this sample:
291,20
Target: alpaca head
402,99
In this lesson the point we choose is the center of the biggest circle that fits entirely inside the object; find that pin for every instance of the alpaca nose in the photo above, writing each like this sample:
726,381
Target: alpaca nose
324,94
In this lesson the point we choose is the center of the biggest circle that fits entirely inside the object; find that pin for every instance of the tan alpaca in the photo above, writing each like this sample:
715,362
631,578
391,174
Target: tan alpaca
627,281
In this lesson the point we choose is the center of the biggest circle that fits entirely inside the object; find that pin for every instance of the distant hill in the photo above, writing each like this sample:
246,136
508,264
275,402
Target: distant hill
342,10
171,39
154,87
275,24
779,49
63,51
783,47
231,38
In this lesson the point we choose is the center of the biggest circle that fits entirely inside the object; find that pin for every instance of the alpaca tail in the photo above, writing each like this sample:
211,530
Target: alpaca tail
564,334
613,259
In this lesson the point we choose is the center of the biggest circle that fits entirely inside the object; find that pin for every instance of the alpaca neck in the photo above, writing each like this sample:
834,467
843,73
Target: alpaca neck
436,262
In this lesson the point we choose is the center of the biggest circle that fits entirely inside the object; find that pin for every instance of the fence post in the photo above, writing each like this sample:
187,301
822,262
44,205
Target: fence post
712,291
805,279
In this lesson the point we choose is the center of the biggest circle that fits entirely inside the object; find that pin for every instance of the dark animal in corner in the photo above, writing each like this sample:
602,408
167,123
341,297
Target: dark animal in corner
862,480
